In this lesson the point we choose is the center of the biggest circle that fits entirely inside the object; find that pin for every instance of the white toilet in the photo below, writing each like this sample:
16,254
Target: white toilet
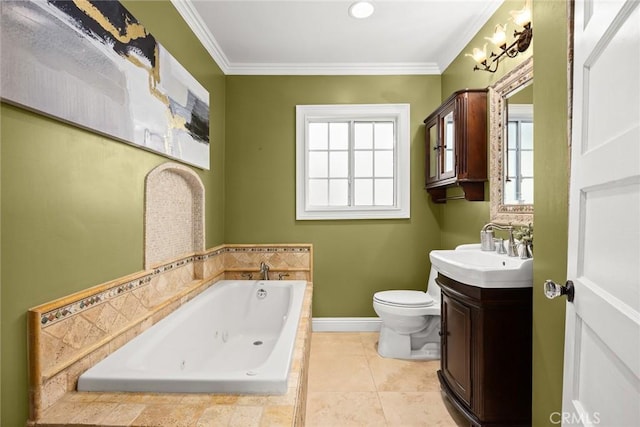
410,322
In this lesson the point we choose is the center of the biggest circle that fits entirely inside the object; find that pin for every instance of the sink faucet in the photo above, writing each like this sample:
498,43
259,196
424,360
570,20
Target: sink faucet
264,270
486,238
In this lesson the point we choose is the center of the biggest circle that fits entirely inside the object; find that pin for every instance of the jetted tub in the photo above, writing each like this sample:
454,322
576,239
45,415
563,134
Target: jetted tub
235,337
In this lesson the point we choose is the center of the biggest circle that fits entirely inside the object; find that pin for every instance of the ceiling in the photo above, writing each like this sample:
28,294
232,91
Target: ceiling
306,37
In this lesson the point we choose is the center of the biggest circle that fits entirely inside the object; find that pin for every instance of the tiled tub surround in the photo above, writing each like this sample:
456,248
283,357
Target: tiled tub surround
68,335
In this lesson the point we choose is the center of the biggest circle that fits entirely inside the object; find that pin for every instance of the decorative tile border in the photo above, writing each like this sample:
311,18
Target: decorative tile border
254,249
51,317
203,257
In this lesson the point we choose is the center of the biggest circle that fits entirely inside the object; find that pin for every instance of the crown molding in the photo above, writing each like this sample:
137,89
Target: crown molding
193,19
457,44
310,69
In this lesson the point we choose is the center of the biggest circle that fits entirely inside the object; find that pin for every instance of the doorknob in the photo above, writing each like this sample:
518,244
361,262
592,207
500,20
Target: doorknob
553,290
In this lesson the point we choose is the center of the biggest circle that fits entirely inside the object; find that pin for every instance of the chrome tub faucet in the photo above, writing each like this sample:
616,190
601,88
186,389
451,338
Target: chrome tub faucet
264,270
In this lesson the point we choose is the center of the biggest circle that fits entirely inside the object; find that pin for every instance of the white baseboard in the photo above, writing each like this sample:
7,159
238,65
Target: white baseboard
346,324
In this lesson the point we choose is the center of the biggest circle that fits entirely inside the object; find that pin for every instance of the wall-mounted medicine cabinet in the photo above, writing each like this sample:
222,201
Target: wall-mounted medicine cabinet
456,142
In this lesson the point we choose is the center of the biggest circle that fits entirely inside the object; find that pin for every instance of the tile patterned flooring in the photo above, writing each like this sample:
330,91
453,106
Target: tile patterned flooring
351,385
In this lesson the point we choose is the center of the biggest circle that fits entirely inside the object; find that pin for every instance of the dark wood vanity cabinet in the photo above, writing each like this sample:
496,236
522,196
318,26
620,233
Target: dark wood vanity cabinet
456,143
486,352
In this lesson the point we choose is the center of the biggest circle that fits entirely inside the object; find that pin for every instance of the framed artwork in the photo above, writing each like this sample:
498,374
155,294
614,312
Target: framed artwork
92,64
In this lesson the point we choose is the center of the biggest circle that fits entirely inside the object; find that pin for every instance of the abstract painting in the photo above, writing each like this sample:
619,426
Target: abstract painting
92,64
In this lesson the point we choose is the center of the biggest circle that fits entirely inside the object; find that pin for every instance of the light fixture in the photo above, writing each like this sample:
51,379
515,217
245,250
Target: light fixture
521,18
479,55
361,9
499,37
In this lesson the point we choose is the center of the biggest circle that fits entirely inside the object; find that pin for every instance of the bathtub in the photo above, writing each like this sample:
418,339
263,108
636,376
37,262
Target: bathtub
235,337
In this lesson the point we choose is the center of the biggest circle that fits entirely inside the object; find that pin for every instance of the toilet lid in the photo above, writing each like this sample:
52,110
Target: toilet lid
404,298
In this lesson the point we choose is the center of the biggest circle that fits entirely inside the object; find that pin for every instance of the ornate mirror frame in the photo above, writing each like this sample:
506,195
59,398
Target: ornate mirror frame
515,214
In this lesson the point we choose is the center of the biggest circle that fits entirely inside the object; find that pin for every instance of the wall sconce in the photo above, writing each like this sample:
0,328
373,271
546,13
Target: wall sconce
521,18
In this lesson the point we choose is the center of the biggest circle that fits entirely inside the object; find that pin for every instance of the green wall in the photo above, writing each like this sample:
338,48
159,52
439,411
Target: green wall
352,259
461,221
551,171
72,203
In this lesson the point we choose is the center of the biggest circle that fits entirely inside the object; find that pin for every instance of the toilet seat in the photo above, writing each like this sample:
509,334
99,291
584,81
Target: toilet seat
404,298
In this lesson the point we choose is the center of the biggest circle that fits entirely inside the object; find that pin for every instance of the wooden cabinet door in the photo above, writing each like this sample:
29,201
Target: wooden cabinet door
456,146
432,164
448,138
456,346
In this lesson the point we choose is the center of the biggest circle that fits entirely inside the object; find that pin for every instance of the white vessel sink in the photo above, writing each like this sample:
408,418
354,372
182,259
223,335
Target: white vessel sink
468,264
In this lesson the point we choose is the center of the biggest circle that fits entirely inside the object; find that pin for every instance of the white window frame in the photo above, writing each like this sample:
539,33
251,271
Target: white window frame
399,114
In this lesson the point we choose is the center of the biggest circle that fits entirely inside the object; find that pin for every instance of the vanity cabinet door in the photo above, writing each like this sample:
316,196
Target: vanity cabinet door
456,346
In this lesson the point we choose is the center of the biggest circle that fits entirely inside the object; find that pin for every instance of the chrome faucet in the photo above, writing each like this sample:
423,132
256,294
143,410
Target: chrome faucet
264,270
486,238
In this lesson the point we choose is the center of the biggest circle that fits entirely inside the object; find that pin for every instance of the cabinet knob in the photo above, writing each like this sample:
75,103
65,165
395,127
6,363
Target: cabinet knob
553,290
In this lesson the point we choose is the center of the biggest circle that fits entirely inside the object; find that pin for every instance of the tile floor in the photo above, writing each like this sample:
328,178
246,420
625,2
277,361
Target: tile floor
351,385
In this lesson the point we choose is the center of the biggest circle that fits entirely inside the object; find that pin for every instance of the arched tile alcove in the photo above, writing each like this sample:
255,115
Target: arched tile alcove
173,213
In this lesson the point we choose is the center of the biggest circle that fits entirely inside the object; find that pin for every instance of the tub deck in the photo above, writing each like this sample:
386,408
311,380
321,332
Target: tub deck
193,409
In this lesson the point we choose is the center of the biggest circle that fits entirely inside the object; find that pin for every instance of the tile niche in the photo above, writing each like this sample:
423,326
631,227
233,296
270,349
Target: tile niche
173,213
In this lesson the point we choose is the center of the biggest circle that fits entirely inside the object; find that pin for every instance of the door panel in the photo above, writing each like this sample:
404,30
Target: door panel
432,152
609,257
601,383
594,355
457,357
448,147
448,144
611,71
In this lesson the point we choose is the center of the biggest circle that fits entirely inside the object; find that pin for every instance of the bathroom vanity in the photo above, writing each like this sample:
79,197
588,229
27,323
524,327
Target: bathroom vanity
486,335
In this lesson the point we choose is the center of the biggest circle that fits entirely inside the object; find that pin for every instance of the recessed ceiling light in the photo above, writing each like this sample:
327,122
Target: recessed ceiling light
361,9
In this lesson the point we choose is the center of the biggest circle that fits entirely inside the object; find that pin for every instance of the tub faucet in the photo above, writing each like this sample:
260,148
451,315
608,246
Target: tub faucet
486,238
264,270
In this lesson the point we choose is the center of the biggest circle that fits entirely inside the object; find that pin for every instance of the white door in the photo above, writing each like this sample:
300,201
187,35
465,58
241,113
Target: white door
601,384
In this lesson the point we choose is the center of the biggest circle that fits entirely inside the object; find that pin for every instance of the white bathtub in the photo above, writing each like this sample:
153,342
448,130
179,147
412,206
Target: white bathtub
236,337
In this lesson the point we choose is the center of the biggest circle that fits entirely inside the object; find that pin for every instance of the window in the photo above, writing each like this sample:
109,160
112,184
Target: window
352,161
518,186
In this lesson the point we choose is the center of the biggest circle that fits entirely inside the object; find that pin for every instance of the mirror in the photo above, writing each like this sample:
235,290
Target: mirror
511,146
